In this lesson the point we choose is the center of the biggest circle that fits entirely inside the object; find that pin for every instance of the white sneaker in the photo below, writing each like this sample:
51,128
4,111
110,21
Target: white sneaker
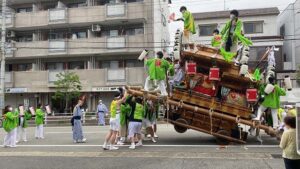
139,143
120,143
155,136
132,146
153,140
17,141
83,140
149,135
105,147
25,140
113,148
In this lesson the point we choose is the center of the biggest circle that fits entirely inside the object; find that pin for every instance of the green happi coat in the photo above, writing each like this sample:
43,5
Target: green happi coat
125,112
237,34
216,41
39,116
189,23
171,70
16,120
157,68
139,112
272,100
9,121
27,116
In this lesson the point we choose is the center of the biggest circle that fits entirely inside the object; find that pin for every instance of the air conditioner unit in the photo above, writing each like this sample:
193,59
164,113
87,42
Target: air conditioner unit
96,28
11,34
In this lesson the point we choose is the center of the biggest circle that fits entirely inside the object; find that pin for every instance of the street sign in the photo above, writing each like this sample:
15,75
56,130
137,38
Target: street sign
298,127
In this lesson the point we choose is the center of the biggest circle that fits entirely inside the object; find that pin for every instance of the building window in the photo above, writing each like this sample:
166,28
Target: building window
207,30
253,27
282,30
24,67
76,65
54,66
134,63
23,10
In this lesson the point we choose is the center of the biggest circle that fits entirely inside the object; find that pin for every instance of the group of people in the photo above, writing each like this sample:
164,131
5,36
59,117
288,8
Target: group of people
128,116
15,123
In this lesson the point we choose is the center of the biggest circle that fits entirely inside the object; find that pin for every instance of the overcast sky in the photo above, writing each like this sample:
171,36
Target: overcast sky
218,5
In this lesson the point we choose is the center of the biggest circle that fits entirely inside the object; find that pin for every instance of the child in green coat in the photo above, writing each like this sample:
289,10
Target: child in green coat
39,121
9,125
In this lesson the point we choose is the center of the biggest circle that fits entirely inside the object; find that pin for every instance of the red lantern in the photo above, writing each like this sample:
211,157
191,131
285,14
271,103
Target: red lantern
214,74
191,68
251,95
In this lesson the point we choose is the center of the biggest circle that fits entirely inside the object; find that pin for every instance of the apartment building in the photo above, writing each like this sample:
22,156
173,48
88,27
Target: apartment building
260,25
99,40
289,28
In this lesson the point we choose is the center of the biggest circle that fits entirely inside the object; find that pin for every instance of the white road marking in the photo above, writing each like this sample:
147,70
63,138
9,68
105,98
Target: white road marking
136,154
156,145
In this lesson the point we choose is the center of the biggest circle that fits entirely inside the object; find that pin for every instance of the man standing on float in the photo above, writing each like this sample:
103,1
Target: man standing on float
157,70
189,25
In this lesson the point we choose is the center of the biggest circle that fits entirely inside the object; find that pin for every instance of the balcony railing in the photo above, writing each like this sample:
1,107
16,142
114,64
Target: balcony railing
87,46
52,76
115,42
115,10
89,14
57,46
57,16
8,77
43,81
116,75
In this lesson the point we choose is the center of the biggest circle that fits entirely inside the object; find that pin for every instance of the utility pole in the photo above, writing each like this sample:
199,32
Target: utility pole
2,70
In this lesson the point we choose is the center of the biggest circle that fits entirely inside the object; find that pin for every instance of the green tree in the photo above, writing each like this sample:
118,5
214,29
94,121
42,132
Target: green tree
68,87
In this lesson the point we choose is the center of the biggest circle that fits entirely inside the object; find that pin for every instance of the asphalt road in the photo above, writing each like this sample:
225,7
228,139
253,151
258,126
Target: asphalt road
175,151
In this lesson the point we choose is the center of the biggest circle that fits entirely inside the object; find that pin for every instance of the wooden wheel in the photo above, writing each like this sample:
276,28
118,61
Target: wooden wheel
222,141
178,128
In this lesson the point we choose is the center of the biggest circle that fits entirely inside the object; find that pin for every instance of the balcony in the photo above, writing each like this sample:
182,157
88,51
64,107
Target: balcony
79,16
42,81
79,46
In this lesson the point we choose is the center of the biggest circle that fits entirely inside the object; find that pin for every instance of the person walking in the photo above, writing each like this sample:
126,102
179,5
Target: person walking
77,124
288,144
102,112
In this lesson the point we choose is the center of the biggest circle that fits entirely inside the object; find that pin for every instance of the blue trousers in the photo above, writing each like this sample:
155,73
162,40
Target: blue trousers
101,119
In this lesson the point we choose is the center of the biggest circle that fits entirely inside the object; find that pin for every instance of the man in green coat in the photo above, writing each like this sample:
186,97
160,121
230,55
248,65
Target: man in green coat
157,70
39,121
9,125
189,25
232,33
271,101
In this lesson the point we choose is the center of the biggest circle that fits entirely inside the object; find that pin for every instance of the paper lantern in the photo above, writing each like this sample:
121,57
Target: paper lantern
288,83
191,68
269,88
214,74
251,95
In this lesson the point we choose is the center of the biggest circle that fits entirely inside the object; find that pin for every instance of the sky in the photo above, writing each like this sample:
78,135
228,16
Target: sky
218,5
